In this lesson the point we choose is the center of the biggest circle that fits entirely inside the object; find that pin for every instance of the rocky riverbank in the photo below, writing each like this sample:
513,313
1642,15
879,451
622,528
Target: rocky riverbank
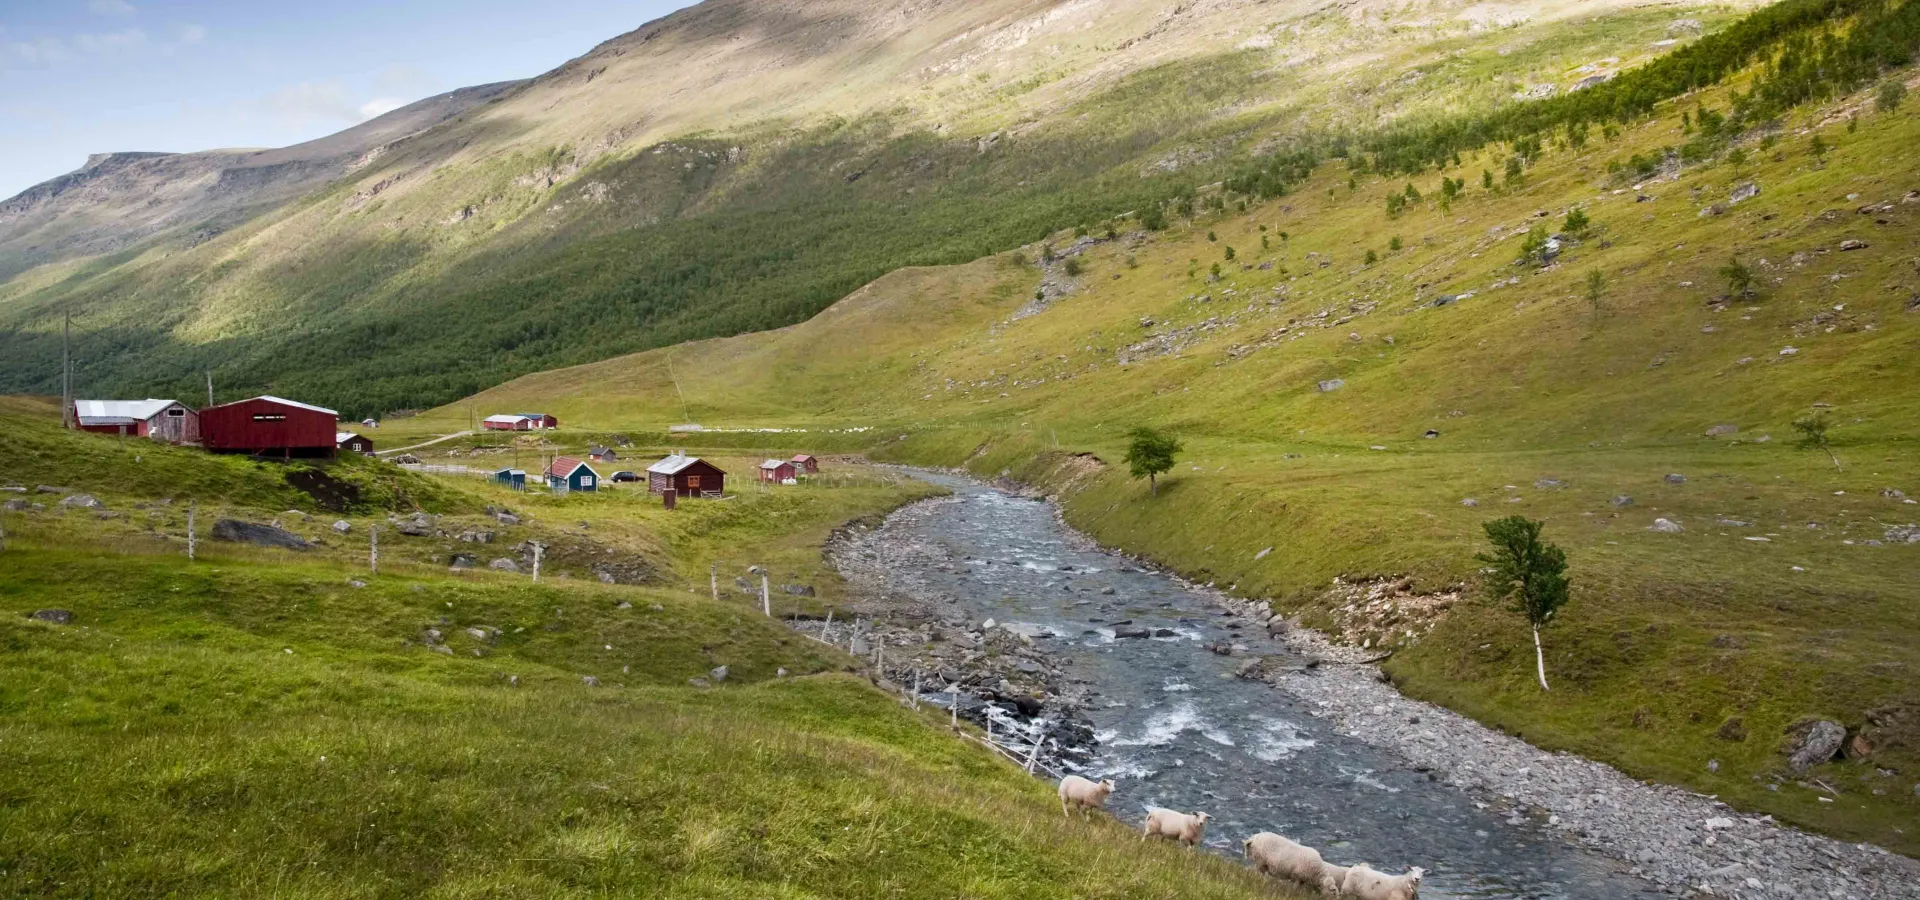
1686,843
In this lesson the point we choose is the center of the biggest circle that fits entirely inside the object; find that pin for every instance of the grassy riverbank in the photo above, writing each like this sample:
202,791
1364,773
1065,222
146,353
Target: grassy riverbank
427,732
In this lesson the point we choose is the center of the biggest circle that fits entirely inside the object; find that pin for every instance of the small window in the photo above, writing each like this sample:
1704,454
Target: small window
586,481
693,482
269,417
176,412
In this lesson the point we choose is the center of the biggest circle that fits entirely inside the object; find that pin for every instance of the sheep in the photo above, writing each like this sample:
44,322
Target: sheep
1084,794
1187,829
1363,883
1272,854
1330,878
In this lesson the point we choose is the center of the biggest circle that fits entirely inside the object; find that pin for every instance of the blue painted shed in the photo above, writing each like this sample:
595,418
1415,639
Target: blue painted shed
513,478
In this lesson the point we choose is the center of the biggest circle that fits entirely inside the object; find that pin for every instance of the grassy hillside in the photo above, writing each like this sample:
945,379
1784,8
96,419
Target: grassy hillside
800,151
1305,373
426,732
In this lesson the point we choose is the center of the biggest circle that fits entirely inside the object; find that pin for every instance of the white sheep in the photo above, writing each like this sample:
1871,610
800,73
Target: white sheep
1272,854
1330,878
1083,794
1187,829
1363,883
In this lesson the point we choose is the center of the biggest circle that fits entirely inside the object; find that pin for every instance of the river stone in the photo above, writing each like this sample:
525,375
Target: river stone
1132,631
260,535
54,616
1813,742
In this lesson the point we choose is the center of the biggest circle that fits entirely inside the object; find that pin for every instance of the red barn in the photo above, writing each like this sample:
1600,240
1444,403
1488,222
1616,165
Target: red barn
776,471
806,464
686,476
270,426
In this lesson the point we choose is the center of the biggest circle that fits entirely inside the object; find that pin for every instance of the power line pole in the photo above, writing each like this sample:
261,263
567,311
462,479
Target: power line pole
209,388
66,374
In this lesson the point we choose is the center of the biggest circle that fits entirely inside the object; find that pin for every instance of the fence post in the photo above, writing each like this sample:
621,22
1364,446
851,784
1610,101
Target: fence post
953,705
1034,757
713,581
916,689
826,631
537,548
191,504
766,599
373,549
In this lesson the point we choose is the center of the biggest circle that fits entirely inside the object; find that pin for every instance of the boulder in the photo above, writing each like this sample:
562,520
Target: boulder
1852,244
1331,385
1676,478
50,489
589,681
504,564
1132,631
54,616
718,674
1621,500
507,518
462,561
342,526
15,504
1665,526
81,501
1812,742
417,525
259,535
1723,430
1743,191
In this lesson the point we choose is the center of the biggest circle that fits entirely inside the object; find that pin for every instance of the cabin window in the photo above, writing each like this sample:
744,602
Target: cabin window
693,482
586,481
269,417
176,413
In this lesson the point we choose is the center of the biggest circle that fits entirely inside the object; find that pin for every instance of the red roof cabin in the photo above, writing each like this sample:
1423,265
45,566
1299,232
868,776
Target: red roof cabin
686,476
806,465
160,420
352,443
567,475
776,471
539,421
270,426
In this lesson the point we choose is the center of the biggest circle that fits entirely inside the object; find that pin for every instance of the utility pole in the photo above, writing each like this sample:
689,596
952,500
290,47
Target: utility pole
66,374
209,387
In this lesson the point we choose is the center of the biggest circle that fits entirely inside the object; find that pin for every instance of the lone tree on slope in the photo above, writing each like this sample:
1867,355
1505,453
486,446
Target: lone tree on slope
1813,436
1151,453
1531,574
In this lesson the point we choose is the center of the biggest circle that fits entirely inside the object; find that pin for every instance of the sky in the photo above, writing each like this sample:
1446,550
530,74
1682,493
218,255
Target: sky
92,76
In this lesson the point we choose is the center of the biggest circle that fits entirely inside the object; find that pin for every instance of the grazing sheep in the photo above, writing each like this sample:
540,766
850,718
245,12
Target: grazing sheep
1363,883
1330,878
1272,854
1083,794
1187,829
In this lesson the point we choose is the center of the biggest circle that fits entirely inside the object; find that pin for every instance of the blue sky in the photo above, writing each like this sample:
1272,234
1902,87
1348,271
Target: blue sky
90,76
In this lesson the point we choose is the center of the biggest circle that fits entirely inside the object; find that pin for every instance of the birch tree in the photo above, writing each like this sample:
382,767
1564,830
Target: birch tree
1529,573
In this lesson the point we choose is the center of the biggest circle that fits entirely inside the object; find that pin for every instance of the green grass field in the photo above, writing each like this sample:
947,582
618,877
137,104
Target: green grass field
1547,400
277,723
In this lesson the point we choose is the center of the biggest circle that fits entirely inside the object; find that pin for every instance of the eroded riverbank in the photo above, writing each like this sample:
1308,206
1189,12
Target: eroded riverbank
1327,755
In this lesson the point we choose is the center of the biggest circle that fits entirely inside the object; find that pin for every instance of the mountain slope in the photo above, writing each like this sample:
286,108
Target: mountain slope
118,199
1361,384
737,166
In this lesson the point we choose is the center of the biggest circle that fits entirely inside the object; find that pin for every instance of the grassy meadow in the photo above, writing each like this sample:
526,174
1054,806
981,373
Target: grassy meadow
1789,593
262,722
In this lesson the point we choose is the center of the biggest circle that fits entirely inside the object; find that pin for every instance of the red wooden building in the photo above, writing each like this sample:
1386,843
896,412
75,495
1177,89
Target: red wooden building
160,420
686,476
270,426
353,443
776,471
805,464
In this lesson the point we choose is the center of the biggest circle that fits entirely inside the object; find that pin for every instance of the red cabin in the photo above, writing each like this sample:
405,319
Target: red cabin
160,420
776,471
270,426
686,476
805,464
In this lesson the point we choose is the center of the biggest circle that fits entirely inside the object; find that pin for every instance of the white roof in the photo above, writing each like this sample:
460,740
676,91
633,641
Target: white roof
340,437
672,464
775,464
115,412
504,418
296,403
511,472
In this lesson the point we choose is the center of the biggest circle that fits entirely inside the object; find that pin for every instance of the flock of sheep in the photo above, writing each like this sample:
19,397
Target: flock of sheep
1270,853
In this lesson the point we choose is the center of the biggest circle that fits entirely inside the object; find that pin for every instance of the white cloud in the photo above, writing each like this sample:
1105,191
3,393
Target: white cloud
110,7
117,40
192,34
379,106
38,51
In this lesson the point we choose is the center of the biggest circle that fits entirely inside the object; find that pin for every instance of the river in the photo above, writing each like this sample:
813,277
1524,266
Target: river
1175,729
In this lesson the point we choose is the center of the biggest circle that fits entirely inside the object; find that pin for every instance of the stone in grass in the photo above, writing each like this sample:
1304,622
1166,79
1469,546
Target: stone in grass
1676,478
81,501
1665,526
342,526
260,535
504,564
718,674
1723,430
1621,500
589,681
1470,502
1813,741
52,616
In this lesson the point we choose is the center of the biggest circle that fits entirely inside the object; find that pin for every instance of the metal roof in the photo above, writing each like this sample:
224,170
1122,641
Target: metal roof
340,437
672,464
118,412
775,464
504,418
285,402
